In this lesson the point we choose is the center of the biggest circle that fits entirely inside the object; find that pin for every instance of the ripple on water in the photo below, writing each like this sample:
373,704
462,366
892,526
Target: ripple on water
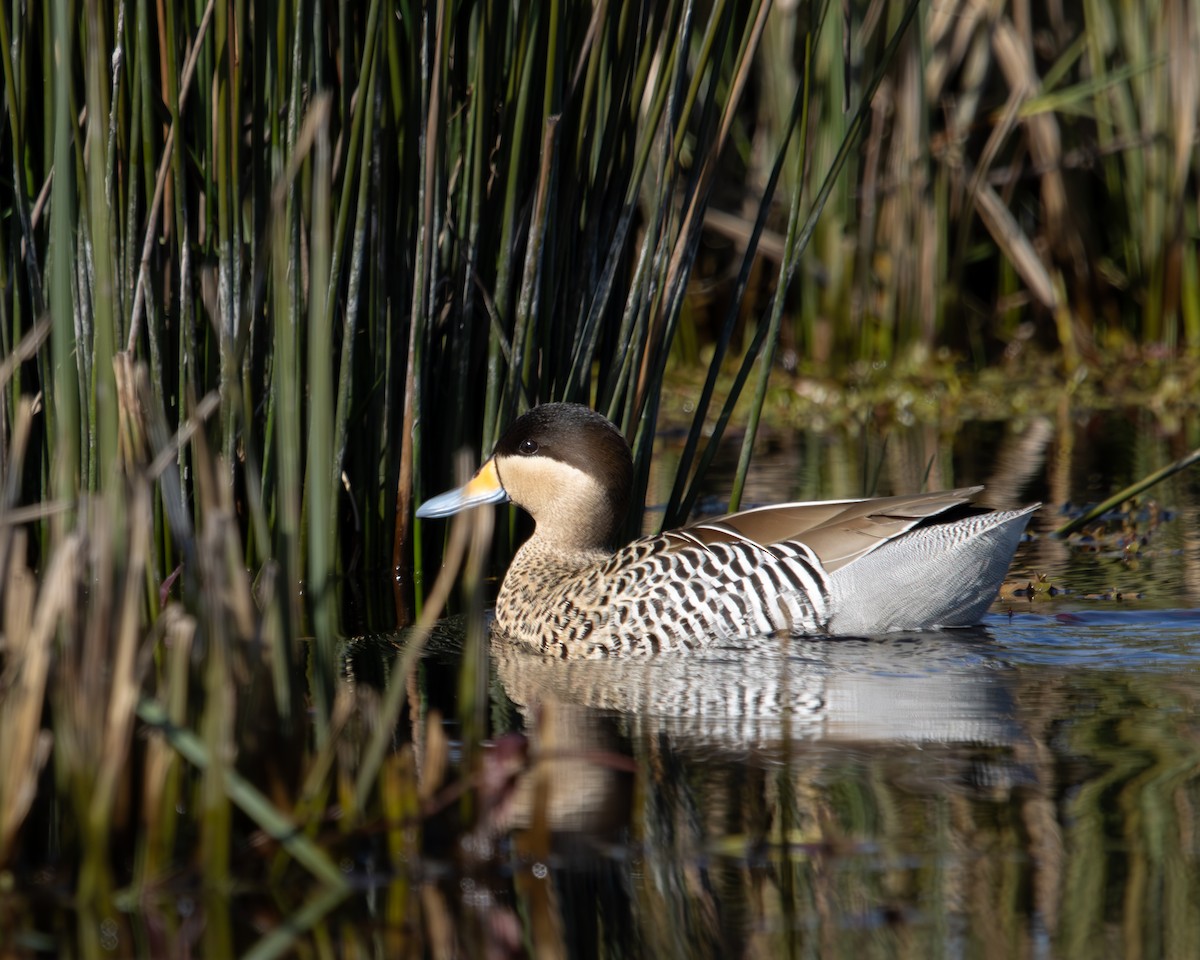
1141,640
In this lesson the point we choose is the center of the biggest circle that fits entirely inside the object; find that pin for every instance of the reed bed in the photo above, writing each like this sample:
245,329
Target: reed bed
265,269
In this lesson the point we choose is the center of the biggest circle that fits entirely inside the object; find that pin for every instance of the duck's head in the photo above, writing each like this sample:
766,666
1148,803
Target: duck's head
566,465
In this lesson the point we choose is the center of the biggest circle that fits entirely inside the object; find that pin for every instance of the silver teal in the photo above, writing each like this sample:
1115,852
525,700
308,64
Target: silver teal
843,567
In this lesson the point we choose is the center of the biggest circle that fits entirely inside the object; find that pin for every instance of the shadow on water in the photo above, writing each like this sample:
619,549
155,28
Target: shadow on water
1030,788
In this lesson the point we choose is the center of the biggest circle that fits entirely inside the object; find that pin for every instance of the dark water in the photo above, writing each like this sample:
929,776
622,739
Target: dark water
1027,789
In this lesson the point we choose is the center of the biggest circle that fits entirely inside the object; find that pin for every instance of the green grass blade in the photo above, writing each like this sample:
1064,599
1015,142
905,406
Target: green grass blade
247,798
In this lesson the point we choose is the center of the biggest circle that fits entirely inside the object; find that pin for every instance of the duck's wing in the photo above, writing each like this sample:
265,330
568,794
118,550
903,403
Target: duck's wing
837,531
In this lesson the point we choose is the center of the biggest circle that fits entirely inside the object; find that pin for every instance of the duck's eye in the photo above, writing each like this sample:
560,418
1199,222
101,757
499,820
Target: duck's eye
528,447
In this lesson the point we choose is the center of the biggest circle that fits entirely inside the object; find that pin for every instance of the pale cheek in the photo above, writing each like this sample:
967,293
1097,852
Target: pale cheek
568,504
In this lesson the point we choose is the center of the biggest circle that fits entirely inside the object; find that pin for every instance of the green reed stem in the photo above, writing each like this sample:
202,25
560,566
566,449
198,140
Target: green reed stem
283,939
494,407
350,326
247,798
1128,493
63,416
791,254
320,489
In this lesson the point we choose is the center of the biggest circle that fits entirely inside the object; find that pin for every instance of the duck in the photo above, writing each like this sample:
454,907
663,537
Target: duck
861,567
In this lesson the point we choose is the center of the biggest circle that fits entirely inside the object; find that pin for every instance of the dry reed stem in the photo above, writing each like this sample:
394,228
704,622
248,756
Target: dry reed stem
435,757
117,721
26,349
1016,245
11,463
1183,40
160,779
959,20
29,627
1015,59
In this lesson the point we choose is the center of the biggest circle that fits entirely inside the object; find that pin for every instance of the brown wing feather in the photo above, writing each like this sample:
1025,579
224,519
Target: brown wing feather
838,531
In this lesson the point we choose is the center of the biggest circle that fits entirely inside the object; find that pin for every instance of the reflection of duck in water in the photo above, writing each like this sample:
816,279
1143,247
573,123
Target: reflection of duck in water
923,688
831,567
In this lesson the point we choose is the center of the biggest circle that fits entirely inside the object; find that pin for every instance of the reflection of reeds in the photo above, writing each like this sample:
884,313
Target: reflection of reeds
895,853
